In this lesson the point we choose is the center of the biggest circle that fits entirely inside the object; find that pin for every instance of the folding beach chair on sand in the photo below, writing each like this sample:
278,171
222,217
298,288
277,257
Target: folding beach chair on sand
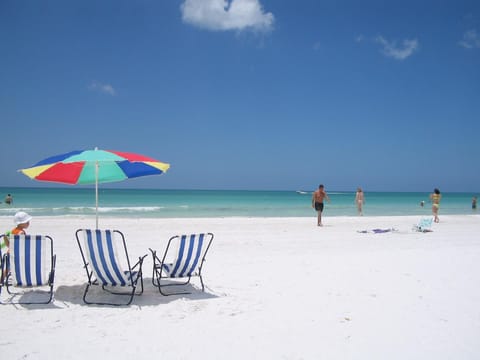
30,266
424,225
105,255
183,258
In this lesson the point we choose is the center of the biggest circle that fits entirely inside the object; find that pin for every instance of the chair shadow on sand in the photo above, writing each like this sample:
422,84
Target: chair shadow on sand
73,294
27,300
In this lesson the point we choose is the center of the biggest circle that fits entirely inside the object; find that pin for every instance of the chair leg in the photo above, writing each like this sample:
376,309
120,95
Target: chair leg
172,285
131,293
85,294
141,283
48,293
153,276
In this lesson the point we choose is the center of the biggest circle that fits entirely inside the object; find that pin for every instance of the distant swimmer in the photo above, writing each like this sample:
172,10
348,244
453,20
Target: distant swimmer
422,203
474,203
8,199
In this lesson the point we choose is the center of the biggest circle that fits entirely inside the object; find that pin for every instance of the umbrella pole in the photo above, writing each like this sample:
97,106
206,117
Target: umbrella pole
96,194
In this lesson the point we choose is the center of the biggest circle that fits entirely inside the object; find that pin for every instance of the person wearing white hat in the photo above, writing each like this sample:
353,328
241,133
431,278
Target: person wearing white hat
22,220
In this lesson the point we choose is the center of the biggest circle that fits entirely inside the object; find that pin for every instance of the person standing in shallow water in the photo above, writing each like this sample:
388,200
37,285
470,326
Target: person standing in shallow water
317,202
435,197
360,200
8,199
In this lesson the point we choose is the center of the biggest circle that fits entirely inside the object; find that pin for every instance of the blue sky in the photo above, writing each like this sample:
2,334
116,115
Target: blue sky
248,94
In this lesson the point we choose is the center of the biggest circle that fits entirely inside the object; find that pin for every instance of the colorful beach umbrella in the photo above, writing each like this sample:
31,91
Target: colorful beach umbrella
94,167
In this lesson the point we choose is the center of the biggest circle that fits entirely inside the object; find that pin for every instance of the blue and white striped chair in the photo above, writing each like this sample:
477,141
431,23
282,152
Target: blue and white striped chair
30,263
183,258
105,256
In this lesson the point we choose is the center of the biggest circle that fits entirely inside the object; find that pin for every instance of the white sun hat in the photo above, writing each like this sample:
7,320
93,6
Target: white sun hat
21,217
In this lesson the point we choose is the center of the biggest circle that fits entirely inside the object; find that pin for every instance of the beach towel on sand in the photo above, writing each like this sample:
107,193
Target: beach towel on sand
376,231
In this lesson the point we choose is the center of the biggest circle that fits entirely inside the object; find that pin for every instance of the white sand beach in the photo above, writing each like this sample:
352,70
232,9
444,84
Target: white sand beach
276,288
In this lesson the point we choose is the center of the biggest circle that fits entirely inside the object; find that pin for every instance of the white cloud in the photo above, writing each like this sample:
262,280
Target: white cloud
391,49
221,15
360,38
470,40
102,88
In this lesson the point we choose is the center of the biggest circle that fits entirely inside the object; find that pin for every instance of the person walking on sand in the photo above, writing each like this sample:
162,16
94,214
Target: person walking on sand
317,202
435,197
360,200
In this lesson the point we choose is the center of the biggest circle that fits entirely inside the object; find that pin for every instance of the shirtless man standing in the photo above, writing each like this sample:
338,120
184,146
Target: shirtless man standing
317,202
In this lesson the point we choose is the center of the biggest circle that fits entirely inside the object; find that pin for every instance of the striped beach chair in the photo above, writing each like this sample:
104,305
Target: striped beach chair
29,265
105,256
183,259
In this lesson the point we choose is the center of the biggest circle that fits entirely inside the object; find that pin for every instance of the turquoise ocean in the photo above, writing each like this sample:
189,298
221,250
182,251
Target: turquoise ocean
150,203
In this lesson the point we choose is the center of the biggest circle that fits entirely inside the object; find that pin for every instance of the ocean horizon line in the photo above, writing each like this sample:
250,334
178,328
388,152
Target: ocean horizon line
329,191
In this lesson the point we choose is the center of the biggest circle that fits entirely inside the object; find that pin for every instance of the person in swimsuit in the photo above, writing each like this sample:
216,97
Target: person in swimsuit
474,203
435,197
360,200
317,202
8,199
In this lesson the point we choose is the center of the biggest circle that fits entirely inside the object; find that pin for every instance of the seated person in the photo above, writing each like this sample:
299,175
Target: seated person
22,222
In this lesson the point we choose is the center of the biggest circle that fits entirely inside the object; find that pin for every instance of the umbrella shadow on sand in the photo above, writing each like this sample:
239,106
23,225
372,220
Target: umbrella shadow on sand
73,294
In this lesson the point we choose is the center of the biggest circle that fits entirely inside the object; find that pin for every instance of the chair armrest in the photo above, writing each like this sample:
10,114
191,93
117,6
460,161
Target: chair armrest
155,257
140,261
